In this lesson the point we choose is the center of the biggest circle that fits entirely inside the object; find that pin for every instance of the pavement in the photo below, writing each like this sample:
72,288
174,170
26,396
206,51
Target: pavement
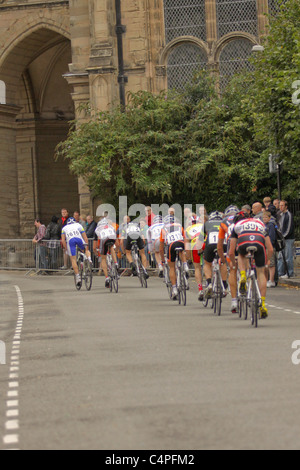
293,281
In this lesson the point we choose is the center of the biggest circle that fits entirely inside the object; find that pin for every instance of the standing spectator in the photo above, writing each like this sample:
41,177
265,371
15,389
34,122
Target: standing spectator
53,236
90,232
269,223
149,216
276,203
79,219
40,251
257,211
91,226
247,209
287,228
62,222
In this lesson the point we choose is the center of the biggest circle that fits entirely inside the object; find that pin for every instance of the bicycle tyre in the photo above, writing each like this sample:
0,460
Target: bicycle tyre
88,275
219,294
183,289
80,270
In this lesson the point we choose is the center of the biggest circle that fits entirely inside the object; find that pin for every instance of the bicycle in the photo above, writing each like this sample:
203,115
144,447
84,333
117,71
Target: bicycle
218,289
182,283
85,270
140,270
167,279
112,270
253,296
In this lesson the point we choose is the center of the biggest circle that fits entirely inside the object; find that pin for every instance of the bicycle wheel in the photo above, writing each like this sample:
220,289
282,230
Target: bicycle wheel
167,281
80,270
183,289
254,305
88,275
114,280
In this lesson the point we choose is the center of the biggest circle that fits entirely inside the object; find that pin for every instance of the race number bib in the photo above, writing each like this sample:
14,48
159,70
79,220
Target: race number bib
133,229
155,233
174,237
107,233
213,238
74,234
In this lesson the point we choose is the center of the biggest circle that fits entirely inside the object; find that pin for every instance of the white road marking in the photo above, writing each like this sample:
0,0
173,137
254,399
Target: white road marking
12,406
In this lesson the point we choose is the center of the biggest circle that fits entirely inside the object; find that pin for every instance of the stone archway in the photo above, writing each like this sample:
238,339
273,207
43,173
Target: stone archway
35,118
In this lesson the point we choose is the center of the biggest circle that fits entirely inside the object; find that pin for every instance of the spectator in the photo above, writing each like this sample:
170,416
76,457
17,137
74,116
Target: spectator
91,226
149,216
257,211
276,203
287,228
270,224
269,206
62,222
53,236
144,230
79,219
40,251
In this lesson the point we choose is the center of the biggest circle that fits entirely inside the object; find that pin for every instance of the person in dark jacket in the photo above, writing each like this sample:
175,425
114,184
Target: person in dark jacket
287,228
53,234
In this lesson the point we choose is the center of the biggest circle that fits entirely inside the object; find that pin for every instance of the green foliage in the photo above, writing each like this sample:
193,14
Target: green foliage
197,147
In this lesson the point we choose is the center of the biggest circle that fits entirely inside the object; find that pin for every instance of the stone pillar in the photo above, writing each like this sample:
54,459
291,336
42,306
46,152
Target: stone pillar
211,22
27,179
262,11
9,214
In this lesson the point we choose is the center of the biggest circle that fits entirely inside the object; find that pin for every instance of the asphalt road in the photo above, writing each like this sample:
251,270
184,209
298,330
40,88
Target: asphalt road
135,371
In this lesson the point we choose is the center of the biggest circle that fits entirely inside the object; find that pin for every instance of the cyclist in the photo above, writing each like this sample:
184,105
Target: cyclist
104,234
132,232
192,234
73,235
225,231
153,237
172,236
252,233
210,233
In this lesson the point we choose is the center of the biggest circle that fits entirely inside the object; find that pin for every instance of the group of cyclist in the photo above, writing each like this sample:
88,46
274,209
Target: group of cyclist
228,234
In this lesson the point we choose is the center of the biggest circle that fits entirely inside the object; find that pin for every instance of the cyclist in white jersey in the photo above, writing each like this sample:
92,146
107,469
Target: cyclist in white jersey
105,234
153,238
73,235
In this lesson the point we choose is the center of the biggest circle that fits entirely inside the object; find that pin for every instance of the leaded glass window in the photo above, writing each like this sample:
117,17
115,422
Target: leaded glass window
184,18
183,61
274,6
236,15
234,58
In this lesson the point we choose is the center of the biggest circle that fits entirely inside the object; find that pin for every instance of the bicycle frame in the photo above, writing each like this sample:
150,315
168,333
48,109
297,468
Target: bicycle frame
139,266
180,278
218,289
85,270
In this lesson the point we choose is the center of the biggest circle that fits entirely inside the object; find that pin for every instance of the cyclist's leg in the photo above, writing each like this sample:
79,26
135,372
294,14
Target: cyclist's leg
144,258
261,261
74,264
243,265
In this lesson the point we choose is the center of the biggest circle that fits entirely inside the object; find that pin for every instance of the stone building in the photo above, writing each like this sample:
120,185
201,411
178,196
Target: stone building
56,55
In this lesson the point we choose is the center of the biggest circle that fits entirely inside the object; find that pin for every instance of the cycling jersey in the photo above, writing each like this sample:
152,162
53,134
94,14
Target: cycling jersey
73,234
251,232
105,234
153,236
131,232
192,234
173,237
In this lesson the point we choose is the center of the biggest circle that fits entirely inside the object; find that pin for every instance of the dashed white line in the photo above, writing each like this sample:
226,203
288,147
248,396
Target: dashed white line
12,411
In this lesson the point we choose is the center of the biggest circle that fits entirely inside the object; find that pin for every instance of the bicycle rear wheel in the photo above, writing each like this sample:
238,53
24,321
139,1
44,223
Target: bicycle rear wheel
254,305
80,271
218,299
183,289
114,280
88,275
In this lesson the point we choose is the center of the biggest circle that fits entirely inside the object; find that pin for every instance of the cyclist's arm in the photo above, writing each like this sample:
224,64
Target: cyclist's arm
222,236
269,246
233,245
63,241
162,246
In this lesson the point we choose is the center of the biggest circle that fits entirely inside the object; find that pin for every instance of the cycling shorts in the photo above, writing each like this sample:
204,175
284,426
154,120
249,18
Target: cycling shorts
103,249
260,255
172,250
128,243
209,252
196,258
73,243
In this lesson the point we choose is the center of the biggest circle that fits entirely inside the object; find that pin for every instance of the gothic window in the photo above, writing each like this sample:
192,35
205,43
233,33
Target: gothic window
236,15
274,6
2,92
184,18
183,61
234,58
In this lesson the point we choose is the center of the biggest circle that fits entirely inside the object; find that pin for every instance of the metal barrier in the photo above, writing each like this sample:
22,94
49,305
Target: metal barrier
47,256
